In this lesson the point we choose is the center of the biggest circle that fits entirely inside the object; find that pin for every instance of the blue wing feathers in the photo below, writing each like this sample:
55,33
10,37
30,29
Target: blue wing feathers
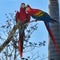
44,17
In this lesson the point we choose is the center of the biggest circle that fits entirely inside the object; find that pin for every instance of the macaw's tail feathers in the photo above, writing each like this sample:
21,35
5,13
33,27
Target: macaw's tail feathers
54,21
53,39
20,48
20,45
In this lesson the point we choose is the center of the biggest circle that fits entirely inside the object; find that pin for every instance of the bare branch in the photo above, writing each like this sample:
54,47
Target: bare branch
9,38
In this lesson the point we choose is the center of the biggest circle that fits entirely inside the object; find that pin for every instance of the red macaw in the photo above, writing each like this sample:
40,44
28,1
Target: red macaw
22,17
42,16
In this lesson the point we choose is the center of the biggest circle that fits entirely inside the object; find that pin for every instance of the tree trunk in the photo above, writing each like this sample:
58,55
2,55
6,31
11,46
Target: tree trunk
54,13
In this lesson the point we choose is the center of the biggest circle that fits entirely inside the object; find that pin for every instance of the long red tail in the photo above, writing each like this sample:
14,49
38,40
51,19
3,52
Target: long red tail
53,39
20,44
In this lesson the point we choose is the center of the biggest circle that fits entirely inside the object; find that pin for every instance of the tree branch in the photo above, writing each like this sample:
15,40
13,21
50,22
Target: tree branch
9,38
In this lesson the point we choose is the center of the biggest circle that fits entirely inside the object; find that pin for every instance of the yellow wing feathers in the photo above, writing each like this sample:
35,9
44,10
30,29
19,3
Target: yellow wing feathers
39,14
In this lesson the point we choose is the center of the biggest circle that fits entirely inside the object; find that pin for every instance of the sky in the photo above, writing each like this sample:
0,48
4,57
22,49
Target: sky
9,6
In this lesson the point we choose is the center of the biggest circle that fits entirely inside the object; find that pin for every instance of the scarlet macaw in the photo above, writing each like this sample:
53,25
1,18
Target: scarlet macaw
43,16
22,17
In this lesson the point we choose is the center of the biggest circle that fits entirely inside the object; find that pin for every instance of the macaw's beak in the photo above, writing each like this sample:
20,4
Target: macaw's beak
25,8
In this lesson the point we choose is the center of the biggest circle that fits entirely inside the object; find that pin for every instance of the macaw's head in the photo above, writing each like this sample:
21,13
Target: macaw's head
29,10
22,5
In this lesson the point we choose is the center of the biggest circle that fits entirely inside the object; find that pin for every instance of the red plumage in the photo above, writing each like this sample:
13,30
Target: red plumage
32,11
20,44
22,16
